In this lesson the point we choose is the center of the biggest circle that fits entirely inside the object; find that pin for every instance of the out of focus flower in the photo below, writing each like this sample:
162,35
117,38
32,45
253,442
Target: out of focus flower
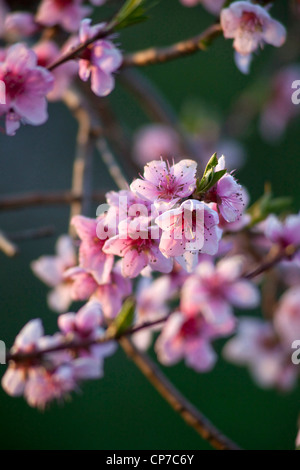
14,379
165,185
51,270
151,304
110,295
189,338
86,324
213,6
250,26
66,13
279,109
91,254
47,52
26,86
99,60
287,316
283,233
20,25
257,347
219,288
154,141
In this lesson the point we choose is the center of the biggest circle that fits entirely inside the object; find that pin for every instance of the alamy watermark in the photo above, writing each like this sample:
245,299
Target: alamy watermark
2,353
296,93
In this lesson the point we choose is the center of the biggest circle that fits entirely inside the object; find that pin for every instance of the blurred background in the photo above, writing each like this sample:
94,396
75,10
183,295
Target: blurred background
122,411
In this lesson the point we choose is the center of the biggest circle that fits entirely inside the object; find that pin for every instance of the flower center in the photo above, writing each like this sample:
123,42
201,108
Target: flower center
14,84
191,327
63,3
250,22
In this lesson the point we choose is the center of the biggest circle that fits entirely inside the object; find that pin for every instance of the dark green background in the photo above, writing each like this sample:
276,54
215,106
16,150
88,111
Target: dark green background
122,411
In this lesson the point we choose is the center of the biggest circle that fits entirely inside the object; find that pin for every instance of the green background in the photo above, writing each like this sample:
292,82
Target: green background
122,411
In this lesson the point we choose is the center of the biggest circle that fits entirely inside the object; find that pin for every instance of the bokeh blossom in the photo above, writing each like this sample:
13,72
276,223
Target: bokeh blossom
26,85
251,26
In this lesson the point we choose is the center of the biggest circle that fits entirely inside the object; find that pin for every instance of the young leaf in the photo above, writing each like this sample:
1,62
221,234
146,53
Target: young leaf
124,320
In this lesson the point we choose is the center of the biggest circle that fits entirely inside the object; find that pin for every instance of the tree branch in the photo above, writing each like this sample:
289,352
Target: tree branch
156,106
180,49
176,400
36,199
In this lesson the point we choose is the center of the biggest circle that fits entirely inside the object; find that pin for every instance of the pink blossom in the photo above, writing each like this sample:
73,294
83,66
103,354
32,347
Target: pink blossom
51,270
243,220
44,386
138,246
20,24
189,230
66,13
91,254
86,324
279,109
250,26
283,233
256,346
287,316
165,185
151,304
26,86
213,6
188,338
124,205
47,52
14,379
218,288
99,60
154,141
228,195
110,295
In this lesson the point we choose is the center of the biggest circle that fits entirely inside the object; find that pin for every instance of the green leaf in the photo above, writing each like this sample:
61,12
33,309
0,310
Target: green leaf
124,320
267,205
210,176
132,12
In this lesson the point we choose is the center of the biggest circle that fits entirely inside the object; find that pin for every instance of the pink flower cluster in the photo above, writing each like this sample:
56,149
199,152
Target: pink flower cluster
55,374
25,79
179,224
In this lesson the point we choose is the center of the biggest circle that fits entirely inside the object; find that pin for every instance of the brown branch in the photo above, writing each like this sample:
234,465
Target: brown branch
82,167
180,49
36,199
156,106
176,400
32,233
273,260
82,344
7,246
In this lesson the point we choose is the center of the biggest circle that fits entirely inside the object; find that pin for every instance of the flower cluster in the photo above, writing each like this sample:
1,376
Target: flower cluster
183,235
52,376
26,61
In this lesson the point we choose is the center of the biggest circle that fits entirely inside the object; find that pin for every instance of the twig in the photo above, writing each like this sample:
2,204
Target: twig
156,106
82,344
111,164
33,233
280,255
178,402
35,199
8,248
180,49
